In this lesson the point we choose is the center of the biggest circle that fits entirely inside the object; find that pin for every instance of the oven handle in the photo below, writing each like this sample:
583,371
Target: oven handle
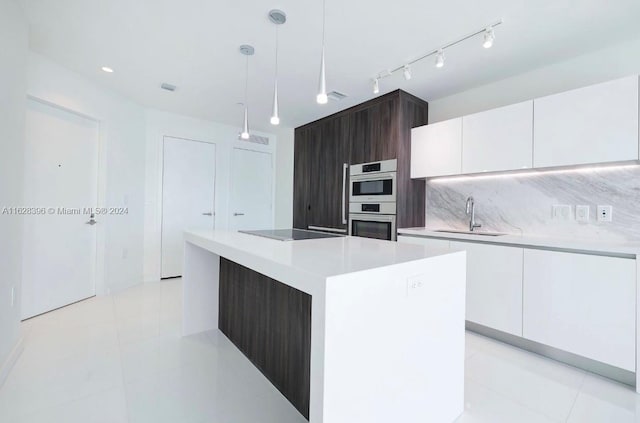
345,166
325,229
374,176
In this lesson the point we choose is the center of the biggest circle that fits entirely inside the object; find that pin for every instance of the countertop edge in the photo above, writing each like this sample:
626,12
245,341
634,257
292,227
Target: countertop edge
553,244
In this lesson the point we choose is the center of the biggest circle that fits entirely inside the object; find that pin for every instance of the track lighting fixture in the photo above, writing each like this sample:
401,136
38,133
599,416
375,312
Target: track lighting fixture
247,51
489,37
278,17
322,98
406,71
440,59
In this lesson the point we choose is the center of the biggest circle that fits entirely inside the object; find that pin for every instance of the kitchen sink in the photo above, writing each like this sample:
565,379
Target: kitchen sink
450,231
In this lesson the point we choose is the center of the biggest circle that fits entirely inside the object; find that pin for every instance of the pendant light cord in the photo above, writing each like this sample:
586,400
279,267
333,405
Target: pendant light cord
277,43
246,84
324,19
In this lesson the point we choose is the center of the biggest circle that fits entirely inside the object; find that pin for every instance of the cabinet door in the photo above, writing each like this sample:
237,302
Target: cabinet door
301,177
494,286
374,132
441,244
329,153
499,139
595,124
582,304
436,149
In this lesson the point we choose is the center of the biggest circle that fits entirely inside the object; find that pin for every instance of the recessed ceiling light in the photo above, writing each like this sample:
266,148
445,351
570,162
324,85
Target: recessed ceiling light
107,69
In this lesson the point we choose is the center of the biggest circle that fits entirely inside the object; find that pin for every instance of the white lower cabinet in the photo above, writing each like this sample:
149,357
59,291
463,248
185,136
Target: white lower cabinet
582,304
494,286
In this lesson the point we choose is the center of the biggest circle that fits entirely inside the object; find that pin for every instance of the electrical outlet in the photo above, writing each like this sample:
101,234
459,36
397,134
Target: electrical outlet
561,212
415,285
582,213
605,213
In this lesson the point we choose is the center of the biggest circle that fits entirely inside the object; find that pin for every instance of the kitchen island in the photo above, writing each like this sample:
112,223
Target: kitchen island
349,329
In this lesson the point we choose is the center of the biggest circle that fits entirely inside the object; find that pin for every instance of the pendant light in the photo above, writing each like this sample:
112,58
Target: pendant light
247,50
278,17
322,98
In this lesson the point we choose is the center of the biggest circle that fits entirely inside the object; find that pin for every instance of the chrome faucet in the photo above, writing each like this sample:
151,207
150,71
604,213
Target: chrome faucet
471,209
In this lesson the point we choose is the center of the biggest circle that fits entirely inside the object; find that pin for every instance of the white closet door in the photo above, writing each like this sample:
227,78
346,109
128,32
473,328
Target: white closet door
251,190
188,190
61,176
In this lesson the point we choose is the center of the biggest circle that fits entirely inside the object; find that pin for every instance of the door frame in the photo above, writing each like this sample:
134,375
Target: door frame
99,279
273,181
159,202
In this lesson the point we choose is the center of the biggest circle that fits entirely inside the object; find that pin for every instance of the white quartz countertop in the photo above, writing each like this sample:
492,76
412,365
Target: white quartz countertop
318,257
603,247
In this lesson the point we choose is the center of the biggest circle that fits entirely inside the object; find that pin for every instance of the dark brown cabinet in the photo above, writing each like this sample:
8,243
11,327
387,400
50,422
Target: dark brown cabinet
374,131
327,177
301,177
379,129
270,323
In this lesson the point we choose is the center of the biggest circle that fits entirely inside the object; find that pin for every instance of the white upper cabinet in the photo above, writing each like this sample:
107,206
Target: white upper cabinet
596,124
498,139
436,149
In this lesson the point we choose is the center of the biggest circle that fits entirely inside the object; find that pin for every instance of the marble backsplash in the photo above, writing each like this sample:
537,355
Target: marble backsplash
523,203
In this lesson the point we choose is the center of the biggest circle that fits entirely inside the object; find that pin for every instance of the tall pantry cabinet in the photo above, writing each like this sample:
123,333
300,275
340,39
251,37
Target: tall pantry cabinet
379,129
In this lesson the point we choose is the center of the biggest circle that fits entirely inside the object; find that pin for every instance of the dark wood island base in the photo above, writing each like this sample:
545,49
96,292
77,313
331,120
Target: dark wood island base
270,322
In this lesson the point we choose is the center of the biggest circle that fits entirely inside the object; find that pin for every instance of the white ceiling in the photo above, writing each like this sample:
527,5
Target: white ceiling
194,44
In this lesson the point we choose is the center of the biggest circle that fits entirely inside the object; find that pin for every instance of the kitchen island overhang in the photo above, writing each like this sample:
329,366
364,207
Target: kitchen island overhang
387,320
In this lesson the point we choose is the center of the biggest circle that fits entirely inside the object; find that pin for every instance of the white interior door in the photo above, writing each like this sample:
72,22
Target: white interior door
61,180
188,189
251,190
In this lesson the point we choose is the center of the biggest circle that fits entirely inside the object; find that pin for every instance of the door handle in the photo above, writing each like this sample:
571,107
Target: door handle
345,166
92,221
238,214
207,214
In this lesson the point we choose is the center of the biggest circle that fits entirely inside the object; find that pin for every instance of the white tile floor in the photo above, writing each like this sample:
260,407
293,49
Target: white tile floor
121,359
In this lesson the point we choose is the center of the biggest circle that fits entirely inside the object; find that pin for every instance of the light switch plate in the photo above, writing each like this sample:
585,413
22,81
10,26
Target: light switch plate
605,213
582,213
561,212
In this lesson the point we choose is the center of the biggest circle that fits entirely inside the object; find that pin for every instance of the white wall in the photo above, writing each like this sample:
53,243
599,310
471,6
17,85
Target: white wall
160,124
13,67
122,149
610,63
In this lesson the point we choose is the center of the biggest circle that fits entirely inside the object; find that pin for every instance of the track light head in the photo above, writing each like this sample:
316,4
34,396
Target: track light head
407,72
440,59
376,85
489,37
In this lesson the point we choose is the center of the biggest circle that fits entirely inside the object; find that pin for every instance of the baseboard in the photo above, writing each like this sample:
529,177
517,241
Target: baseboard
11,360
621,375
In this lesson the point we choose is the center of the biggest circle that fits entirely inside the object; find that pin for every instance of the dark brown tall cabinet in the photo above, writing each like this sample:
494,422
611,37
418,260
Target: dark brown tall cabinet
379,129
